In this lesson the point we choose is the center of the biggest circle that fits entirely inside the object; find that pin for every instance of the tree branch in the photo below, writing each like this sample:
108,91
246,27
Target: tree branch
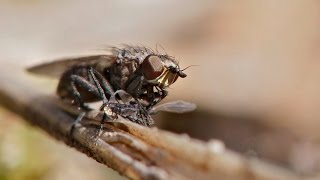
134,151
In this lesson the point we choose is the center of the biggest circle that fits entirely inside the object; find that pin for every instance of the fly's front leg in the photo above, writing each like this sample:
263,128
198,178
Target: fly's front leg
162,93
156,97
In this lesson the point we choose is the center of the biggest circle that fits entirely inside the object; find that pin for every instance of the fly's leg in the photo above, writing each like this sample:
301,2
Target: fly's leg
96,76
156,97
77,95
161,95
77,122
102,85
99,88
98,85
80,81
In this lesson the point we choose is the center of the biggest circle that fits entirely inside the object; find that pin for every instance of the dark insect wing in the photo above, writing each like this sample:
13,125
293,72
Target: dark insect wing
174,107
57,67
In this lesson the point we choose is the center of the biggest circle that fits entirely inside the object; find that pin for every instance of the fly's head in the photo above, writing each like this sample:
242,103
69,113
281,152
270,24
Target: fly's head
161,70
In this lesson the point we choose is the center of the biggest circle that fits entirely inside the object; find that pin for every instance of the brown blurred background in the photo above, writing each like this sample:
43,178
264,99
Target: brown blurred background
257,85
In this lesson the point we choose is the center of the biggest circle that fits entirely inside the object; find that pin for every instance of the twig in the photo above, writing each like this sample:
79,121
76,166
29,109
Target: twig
134,151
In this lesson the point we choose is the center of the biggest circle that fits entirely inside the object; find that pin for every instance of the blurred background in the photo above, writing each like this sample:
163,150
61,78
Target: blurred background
257,85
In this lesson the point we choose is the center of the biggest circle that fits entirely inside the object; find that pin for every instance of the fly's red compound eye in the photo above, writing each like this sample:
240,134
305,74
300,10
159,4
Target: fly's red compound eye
152,67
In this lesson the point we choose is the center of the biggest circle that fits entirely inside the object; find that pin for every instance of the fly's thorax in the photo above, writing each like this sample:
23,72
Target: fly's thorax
119,73
105,64
132,53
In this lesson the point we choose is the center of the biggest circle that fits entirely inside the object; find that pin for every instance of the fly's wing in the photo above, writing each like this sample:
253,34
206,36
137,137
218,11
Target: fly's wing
56,68
174,107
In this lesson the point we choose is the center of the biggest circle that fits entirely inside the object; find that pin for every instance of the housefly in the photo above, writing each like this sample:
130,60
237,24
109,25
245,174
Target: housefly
130,80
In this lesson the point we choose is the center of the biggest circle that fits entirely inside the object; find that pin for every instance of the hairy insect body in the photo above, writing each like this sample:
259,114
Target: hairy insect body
139,72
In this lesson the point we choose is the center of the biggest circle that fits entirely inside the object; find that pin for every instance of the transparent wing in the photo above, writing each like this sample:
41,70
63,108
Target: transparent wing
174,107
58,67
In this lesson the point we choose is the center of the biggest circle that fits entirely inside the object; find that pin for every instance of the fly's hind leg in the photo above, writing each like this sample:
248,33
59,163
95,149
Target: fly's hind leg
103,87
76,122
102,84
80,81
77,95
77,81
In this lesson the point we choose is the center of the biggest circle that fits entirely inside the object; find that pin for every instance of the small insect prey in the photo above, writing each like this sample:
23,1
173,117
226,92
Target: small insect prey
130,81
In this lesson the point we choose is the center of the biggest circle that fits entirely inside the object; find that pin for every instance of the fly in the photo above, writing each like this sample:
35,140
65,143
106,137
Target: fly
137,72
